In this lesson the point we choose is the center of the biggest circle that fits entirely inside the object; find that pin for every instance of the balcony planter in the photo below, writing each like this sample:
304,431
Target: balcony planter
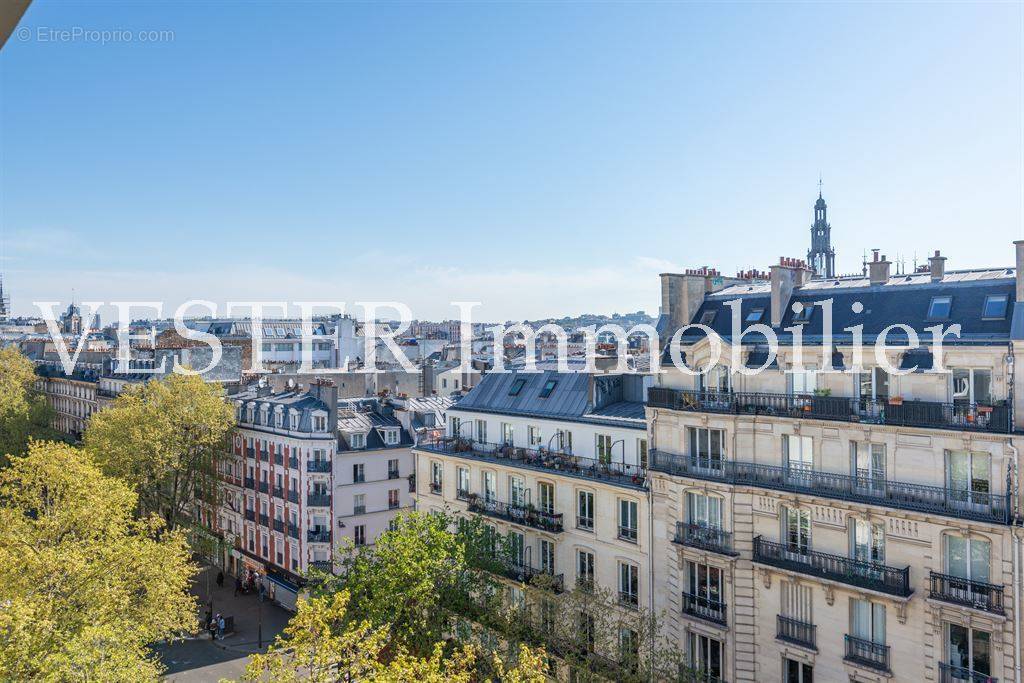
895,400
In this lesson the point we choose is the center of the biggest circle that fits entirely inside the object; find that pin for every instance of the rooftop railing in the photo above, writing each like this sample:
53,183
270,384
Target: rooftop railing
969,593
705,537
517,514
869,575
541,459
977,505
883,411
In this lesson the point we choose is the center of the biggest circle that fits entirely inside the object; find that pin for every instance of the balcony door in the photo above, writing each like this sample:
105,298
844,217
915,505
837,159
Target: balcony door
867,461
704,511
798,459
969,559
705,655
867,621
704,584
968,651
969,479
796,532
707,449
873,392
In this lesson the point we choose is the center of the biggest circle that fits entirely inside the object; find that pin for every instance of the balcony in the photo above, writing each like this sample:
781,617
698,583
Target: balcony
705,537
976,505
796,632
318,536
264,487
893,411
321,565
524,573
250,483
866,653
544,460
293,462
293,531
957,674
867,575
691,675
463,494
318,500
516,514
320,466
250,515
628,533
627,599
278,492
979,595
705,608
392,474
293,496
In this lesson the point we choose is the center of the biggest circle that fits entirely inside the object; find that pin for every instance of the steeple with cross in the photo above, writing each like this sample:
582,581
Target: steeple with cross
821,256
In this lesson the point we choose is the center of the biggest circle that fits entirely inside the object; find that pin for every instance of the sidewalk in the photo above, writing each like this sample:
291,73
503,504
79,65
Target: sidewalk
246,609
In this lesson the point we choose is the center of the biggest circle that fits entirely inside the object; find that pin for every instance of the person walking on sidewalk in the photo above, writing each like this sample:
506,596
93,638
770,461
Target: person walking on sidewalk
220,626
220,579
238,585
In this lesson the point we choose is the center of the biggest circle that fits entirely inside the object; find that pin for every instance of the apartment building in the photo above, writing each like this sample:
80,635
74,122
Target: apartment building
74,397
826,519
557,463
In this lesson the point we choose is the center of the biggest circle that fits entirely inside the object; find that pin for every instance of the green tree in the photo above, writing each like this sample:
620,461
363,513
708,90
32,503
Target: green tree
165,439
85,588
24,412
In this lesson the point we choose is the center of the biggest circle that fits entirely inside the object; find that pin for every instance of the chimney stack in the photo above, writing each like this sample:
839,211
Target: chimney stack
1019,271
681,296
784,277
878,269
937,266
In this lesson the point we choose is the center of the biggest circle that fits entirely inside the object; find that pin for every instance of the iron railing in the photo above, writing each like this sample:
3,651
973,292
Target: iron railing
629,599
885,411
463,494
321,565
318,466
957,674
517,514
628,533
318,536
703,607
866,653
796,632
278,492
524,573
541,459
293,531
869,575
963,504
321,500
279,525
705,537
264,487
970,593
250,515
293,496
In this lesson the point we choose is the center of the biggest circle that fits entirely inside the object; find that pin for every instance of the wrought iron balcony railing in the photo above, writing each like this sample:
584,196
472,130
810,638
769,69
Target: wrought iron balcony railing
250,483
320,466
524,573
885,411
541,459
250,515
293,496
279,525
264,487
796,632
293,531
321,500
628,533
866,653
949,502
705,608
318,536
293,462
517,514
321,565
264,520
463,494
958,674
278,492
959,591
705,537
869,575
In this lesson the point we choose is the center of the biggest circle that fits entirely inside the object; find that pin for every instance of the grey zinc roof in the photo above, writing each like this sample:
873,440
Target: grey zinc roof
569,399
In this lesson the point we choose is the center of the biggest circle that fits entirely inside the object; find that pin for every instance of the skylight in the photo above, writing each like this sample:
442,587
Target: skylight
549,386
995,307
707,317
939,308
517,386
804,314
754,315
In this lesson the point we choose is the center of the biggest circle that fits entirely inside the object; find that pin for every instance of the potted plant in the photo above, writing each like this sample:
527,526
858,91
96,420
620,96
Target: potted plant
895,400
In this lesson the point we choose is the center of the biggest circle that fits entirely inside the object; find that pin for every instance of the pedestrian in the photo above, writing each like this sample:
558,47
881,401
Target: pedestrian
263,591
220,579
220,626
238,585
212,628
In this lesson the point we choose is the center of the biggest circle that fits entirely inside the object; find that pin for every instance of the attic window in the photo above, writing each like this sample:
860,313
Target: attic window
995,307
549,386
517,386
804,314
939,307
707,317
754,315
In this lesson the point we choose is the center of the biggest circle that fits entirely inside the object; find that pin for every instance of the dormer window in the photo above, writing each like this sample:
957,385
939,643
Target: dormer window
319,423
358,441
293,421
278,419
264,411
708,317
517,386
803,315
754,315
995,307
251,413
939,307
391,437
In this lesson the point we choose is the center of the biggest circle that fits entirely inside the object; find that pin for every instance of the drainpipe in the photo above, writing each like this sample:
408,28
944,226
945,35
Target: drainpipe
1014,532
650,543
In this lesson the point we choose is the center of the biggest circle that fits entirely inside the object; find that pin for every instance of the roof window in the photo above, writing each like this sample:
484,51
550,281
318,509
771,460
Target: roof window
517,386
754,315
803,314
549,386
707,317
939,307
995,306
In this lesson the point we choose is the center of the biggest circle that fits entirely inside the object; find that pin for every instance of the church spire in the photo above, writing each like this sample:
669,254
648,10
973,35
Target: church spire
5,302
821,256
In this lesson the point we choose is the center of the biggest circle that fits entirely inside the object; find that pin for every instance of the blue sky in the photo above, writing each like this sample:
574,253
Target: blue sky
544,158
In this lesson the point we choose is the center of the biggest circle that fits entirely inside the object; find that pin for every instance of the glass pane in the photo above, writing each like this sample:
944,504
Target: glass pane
959,647
980,553
982,386
981,652
958,464
861,613
979,472
956,556
961,384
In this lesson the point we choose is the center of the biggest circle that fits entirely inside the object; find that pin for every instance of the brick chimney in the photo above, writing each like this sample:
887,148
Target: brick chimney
789,273
878,269
937,266
681,296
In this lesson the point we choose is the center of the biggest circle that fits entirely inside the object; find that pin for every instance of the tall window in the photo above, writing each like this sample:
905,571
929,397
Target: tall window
393,499
873,384
603,448
517,491
796,529
797,454
628,520
717,379
507,437
796,672
585,510
436,476
359,534
481,431
705,655
547,556
969,477
463,479
641,452
867,460
585,568
359,503
546,494
968,650
456,424
704,585
358,474
972,386
490,487
564,441
802,381
534,437
867,620
796,601
393,468
629,584
968,558
867,541
517,547
704,510
707,447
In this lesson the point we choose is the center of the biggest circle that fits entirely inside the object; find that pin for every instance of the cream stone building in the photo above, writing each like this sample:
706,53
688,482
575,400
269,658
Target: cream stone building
829,518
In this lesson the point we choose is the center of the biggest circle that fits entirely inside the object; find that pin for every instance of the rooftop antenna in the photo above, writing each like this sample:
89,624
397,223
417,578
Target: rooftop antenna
915,260
864,263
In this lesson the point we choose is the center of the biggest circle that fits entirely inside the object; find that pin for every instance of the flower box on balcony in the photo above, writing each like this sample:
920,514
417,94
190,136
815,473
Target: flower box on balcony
895,400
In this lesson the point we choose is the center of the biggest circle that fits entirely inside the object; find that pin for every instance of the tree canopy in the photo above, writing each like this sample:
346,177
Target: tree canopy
165,439
85,588
24,413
